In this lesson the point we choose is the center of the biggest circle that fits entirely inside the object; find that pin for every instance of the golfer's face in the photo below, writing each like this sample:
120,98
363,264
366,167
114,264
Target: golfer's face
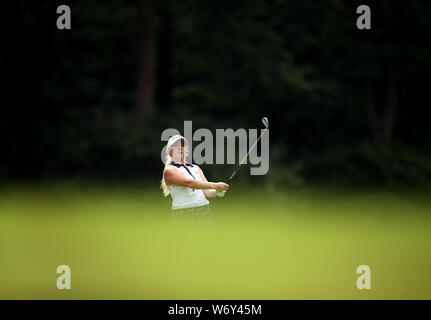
179,149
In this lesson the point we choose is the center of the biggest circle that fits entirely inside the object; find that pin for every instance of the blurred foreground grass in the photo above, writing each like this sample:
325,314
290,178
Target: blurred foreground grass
265,244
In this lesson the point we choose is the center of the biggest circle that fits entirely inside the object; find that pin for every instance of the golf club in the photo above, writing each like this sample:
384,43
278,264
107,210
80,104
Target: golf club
266,124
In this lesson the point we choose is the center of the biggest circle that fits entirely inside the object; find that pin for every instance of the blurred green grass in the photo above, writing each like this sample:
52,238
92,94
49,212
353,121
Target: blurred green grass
264,244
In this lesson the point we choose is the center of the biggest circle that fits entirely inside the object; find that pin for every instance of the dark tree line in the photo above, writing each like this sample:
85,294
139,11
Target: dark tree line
345,105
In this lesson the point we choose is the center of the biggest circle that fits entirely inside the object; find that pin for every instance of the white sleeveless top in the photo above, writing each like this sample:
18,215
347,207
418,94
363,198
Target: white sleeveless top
185,197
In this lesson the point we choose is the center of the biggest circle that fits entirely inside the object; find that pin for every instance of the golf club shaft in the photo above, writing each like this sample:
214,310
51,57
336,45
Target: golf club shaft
242,161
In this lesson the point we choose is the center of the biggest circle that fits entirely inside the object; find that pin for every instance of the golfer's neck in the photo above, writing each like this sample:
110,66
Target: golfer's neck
179,160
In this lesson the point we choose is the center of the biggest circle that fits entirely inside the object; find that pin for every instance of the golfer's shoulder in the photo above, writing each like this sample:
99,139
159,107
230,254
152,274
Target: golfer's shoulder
195,166
170,170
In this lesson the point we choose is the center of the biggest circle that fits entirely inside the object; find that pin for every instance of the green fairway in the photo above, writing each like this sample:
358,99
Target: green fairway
272,244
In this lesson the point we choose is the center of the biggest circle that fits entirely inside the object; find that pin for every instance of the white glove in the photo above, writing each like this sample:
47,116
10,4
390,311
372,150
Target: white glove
221,193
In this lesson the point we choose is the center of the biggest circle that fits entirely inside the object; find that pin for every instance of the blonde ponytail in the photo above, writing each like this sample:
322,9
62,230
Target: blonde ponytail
163,184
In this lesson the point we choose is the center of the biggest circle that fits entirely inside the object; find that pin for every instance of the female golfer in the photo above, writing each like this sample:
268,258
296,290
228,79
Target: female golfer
187,185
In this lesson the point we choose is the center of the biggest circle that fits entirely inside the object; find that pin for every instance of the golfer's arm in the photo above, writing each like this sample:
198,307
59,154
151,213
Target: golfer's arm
173,176
210,193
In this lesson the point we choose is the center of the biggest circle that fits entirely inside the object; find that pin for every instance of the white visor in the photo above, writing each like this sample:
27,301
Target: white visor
174,139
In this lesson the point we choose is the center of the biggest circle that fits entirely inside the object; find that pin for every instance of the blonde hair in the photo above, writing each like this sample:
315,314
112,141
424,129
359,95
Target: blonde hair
163,184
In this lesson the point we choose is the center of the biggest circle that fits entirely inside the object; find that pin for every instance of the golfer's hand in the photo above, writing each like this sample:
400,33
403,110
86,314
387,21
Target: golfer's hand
220,194
221,186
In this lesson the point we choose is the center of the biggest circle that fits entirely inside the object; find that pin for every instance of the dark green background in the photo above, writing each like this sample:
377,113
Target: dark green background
346,106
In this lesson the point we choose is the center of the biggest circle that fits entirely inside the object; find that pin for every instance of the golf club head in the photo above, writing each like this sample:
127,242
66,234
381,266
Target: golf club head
265,122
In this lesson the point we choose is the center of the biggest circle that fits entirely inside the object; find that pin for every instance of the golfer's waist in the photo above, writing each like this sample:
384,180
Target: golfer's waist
190,206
